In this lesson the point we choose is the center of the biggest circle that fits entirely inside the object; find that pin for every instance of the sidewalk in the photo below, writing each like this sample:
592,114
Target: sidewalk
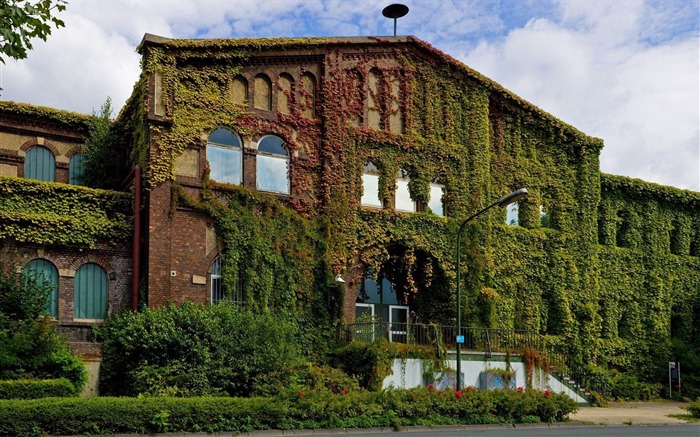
634,413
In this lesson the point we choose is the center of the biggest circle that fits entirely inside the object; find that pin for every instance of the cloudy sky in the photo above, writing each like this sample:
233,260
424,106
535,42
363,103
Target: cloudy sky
627,71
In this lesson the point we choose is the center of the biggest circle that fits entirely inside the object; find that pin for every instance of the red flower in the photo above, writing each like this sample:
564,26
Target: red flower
547,393
431,387
301,394
441,391
345,390
458,394
520,389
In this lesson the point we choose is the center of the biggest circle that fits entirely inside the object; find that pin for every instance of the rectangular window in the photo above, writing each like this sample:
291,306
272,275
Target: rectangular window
512,214
544,217
272,174
403,197
370,191
225,163
436,204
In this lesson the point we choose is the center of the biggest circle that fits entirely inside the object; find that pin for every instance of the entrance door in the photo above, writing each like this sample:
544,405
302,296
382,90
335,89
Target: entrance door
398,323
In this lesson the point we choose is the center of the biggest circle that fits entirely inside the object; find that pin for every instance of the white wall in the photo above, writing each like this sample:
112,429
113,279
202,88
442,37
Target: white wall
409,373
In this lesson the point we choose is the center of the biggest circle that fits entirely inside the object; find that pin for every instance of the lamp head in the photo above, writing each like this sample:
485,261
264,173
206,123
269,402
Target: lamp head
339,279
512,197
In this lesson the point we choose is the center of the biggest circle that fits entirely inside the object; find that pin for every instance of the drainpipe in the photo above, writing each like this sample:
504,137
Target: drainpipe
136,242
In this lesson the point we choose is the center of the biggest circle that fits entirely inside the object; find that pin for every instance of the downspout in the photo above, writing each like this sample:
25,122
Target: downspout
136,242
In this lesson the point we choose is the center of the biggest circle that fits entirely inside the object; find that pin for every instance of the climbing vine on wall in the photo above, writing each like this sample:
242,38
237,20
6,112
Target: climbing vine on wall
53,213
568,279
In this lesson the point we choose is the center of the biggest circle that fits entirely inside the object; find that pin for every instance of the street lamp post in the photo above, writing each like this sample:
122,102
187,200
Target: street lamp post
503,201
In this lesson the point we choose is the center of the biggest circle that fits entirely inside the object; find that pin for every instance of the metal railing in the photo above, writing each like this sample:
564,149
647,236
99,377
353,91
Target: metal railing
476,339
487,340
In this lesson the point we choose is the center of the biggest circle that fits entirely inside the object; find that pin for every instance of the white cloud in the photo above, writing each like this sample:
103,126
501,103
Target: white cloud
592,70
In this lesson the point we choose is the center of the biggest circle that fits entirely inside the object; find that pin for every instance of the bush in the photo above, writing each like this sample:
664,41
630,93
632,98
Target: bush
35,389
312,410
192,350
694,409
370,363
627,387
30,345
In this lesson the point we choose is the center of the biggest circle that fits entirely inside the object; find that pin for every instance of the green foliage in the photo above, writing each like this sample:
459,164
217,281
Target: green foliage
60,214
617,307
370,363
304,378
74,120
101,160
694,409
30,345
313,410
35,389
193,350
20,21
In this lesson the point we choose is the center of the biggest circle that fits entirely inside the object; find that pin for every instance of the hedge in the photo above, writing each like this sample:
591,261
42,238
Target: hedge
291,410
35,389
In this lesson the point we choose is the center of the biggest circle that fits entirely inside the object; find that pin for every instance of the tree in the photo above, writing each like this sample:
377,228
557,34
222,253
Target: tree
99,160
20,21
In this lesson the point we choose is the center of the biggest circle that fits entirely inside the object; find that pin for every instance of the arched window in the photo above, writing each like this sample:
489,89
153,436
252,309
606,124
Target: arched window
307,95
76,170
272,165
40,164
46,275
285,90
90,296
370,187
263,93
436,203
403,195
225,157
395,116
239,91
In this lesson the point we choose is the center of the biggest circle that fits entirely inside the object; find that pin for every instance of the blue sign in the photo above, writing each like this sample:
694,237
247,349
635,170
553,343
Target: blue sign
460,339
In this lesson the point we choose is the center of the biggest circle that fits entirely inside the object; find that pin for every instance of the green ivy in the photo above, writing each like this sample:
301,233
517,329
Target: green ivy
59,214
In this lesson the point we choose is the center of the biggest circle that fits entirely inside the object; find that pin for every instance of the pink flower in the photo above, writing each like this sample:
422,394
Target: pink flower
301,394
431,387
458,394
547,393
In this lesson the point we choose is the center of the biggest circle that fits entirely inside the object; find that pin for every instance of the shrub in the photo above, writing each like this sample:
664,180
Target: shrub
30,345
315,409
694,409
35,389
192,350
371,362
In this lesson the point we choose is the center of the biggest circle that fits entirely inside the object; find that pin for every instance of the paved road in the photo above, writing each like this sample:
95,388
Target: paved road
558,431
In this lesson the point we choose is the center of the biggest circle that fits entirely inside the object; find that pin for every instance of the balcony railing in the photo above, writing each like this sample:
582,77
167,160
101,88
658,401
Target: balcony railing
485,340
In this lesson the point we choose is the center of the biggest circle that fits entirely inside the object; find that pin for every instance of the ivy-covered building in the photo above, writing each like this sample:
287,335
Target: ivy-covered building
272,166
75,238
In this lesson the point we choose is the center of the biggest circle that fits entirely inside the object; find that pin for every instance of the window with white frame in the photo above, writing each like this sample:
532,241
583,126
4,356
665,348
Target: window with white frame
370,187
273,165
403,196
436,202
218,292
225,157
